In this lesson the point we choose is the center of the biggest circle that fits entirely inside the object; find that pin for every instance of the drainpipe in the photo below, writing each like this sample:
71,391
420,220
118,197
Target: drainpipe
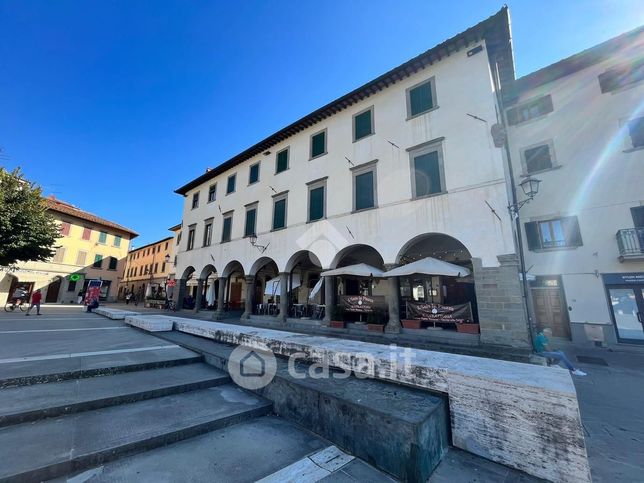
513,193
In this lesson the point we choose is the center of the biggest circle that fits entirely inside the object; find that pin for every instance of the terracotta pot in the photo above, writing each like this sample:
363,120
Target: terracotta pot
338,324
376,327
468,328
411,323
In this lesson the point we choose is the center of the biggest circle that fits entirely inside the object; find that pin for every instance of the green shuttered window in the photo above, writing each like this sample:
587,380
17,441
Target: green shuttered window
279,214
316,203
226,231
251,217
427,174
318,144
556,233
281,163
230,187
420,99
363,125
364,191
253,175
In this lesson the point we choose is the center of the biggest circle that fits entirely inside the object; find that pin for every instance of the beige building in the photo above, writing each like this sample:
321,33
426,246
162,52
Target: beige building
89,248
147,269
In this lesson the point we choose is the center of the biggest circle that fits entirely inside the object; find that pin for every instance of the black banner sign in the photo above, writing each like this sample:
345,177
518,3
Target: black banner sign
437,312
362,304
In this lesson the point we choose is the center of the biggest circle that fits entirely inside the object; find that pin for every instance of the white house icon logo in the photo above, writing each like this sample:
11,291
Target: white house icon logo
251,368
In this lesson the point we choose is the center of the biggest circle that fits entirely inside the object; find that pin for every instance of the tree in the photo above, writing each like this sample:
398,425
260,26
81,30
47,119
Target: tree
27,230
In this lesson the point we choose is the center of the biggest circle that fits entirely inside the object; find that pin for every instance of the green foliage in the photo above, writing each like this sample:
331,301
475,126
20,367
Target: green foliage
27,231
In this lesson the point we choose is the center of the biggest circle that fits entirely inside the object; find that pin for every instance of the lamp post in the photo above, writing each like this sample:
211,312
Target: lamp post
253,241
530,187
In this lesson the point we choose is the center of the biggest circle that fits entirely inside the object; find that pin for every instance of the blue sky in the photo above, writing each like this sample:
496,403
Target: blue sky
113,104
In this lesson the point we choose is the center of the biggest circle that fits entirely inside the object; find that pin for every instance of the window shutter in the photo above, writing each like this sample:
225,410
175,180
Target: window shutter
545,105
512,115
532,235
572,232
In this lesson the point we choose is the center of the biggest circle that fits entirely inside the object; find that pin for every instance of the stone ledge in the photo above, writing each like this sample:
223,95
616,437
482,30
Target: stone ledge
150,323
115,314
521,415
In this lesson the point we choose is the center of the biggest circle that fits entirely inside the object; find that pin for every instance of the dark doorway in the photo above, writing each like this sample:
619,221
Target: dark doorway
52,291
550,306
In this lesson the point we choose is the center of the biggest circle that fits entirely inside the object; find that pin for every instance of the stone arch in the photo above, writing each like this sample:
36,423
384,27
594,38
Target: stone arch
436,245
302,256
359,253
231,267
207,271
187,272
261,263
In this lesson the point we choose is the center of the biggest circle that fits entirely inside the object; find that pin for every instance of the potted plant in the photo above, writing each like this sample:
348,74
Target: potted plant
467,327
376,320
412,323
337,318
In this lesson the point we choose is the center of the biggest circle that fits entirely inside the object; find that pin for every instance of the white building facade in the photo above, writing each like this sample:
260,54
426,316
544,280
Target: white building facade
578,126
402,168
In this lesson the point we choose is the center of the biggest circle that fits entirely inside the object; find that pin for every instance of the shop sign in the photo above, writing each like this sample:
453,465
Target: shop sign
93,291
623,278
362,304
438,312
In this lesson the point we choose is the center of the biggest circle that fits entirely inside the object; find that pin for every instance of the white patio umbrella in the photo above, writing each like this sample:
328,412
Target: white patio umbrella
316,288
429,266
273,285
358,270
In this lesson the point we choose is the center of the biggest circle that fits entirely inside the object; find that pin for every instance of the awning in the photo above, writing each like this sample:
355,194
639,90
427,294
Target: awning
429,266
273,285
358,270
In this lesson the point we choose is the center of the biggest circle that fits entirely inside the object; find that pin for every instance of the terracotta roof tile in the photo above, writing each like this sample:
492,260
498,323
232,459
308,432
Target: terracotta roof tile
68,209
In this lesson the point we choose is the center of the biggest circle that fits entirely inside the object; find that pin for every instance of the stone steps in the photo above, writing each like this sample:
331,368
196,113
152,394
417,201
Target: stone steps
54,447
37,372
33,402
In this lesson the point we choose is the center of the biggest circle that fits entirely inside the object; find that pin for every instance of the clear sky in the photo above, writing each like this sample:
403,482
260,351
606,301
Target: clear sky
113,104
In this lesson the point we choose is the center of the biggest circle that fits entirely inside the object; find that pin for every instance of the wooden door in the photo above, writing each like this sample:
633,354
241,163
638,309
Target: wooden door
52,291
235,293
550,311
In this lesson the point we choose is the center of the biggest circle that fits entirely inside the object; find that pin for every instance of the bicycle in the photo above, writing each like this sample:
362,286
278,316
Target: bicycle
170,305
20,304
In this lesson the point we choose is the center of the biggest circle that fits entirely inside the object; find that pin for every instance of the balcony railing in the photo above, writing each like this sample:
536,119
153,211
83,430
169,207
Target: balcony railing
630,242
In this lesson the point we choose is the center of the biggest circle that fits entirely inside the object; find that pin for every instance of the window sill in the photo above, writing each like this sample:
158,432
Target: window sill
531,173
229,193
318,156
211,201
279,172
224,241
278,229
409,118
530,121
431,195
315,221
254,182
364,137
375,207
553,249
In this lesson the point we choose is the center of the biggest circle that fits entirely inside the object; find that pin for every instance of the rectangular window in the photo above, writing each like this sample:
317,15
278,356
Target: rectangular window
317,195
279,212
87,233
71,286
281,161
230,187
227,228
166,245
421,98
622,76
102,237
427,171
81,258
207,233
530,110
59,256
98,261
156,268
162,266
253,174
113,263
191,239
212,193
117,240
556,233
364,188
363,124
65,227
251,219
636,132
537,158
318,144
195,200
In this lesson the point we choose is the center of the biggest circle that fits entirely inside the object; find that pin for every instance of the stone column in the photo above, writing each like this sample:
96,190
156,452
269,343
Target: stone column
199,298
393,292
219,313
180,293
248,301
329,300
283,296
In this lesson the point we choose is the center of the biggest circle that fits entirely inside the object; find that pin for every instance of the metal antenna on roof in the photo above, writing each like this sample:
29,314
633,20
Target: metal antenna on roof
349,161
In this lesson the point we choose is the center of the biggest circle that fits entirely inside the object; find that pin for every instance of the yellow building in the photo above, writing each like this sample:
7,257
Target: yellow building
147,269
90,248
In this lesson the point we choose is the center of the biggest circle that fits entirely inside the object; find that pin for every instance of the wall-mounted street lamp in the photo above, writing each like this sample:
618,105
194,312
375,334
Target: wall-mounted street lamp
253,241
530,187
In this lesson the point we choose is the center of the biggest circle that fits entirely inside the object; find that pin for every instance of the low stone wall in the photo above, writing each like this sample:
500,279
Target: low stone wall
150,323
520,415
116,314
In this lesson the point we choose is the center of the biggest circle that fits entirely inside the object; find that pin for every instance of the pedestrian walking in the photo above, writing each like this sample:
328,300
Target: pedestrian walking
541,348
128,296
81,295
36,297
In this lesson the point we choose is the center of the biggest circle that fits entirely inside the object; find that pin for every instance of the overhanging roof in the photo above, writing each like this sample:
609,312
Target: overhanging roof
59,206
496,32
